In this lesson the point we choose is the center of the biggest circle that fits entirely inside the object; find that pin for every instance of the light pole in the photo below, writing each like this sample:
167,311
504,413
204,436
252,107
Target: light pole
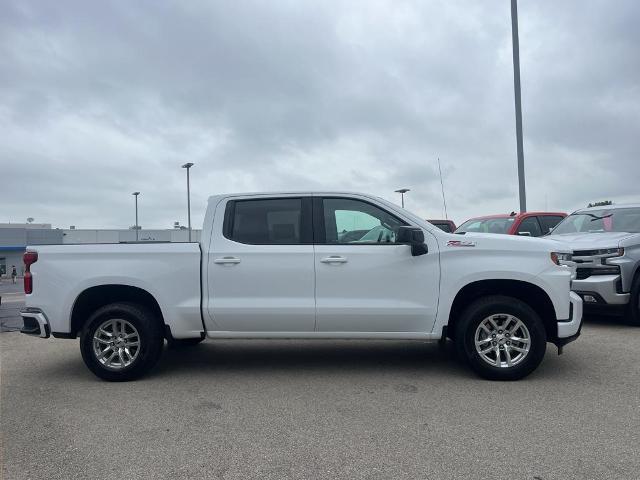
444,200
402,191
516,88
135,194
188,166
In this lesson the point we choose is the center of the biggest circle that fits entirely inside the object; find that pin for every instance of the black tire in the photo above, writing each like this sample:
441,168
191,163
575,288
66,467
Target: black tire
484,307
183,342
150,334
632,313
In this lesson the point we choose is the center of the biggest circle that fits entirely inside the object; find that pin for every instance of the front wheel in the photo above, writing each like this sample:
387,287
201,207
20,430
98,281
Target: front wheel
121,341
633,309
501,338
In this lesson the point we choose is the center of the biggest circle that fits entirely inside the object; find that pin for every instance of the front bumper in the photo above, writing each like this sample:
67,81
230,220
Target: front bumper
35,323
569,330
600,290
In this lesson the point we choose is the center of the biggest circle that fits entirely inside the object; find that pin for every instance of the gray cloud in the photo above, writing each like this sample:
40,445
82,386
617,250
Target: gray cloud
98,99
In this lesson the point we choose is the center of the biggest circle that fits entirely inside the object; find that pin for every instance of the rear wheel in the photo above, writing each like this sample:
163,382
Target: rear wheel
121,341
501,338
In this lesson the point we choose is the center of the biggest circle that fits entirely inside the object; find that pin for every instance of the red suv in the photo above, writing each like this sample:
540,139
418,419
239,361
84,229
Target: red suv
531,224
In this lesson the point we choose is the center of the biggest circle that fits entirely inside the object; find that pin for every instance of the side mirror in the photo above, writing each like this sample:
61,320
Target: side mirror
414,237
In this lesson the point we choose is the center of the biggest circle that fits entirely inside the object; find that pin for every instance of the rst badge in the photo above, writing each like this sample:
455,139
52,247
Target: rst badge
461,243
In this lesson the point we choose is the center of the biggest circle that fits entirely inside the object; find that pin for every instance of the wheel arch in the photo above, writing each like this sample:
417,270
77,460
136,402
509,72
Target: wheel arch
527,292
635,274
98,296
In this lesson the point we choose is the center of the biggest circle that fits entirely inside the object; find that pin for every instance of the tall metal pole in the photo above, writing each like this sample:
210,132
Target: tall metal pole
189,203
516,87
188,166
135,194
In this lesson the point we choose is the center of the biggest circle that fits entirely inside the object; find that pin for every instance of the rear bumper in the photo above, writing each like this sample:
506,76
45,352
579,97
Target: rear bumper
35,323
600,290
569,330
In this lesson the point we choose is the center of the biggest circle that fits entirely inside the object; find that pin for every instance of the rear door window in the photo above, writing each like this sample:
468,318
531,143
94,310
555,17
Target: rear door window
273,221
529,227
445,227
548,222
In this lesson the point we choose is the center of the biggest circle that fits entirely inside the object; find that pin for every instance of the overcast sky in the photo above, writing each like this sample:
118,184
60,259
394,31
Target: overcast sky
100,99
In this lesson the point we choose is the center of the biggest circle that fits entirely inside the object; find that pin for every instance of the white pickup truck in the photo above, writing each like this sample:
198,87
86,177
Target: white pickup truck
306,265
606,251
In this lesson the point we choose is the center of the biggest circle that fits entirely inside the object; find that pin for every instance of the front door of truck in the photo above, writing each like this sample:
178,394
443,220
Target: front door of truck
260,273
365,281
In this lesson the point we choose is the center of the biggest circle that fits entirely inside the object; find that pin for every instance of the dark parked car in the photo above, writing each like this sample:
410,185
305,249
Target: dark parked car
444,225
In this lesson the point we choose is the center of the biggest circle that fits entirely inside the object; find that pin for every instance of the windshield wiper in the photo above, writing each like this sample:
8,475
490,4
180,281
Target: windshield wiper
595,217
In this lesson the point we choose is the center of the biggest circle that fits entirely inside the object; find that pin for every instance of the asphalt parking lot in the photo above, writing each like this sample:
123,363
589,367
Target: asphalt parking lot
11,301
318,410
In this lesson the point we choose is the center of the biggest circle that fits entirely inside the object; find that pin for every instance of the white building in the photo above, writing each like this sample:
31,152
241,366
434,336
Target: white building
15,237
120,236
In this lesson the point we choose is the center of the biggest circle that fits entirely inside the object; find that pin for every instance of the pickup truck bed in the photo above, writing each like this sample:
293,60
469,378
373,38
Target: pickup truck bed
77,277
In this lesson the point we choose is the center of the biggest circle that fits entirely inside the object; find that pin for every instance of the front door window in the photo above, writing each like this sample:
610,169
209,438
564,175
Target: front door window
348,221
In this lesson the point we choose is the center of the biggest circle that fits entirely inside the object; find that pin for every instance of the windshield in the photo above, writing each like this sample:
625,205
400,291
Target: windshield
486,225
605,220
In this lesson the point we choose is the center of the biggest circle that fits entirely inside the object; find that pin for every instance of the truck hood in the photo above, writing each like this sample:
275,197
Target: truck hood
512,242
596,240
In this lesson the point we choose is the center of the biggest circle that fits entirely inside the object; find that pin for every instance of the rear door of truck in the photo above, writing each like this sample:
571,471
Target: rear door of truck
260,265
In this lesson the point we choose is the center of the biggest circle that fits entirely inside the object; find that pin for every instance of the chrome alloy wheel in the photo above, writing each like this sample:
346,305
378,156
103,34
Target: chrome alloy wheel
502,340
116,344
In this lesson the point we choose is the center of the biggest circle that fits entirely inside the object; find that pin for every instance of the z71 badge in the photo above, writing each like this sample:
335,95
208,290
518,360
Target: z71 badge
461,243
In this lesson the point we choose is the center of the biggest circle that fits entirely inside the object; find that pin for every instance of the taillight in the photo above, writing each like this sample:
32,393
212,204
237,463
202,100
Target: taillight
29,259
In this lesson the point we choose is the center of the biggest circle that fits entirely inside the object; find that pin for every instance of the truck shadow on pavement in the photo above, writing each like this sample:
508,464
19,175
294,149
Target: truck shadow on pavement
613,321
329,356
345,357
304,358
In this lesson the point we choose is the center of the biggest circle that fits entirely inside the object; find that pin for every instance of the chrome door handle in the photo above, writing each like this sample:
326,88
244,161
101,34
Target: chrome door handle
334,259
227,260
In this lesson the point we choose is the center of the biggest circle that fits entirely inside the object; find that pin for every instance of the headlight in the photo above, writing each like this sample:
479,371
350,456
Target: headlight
616,252
612,254
608,270
560,258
